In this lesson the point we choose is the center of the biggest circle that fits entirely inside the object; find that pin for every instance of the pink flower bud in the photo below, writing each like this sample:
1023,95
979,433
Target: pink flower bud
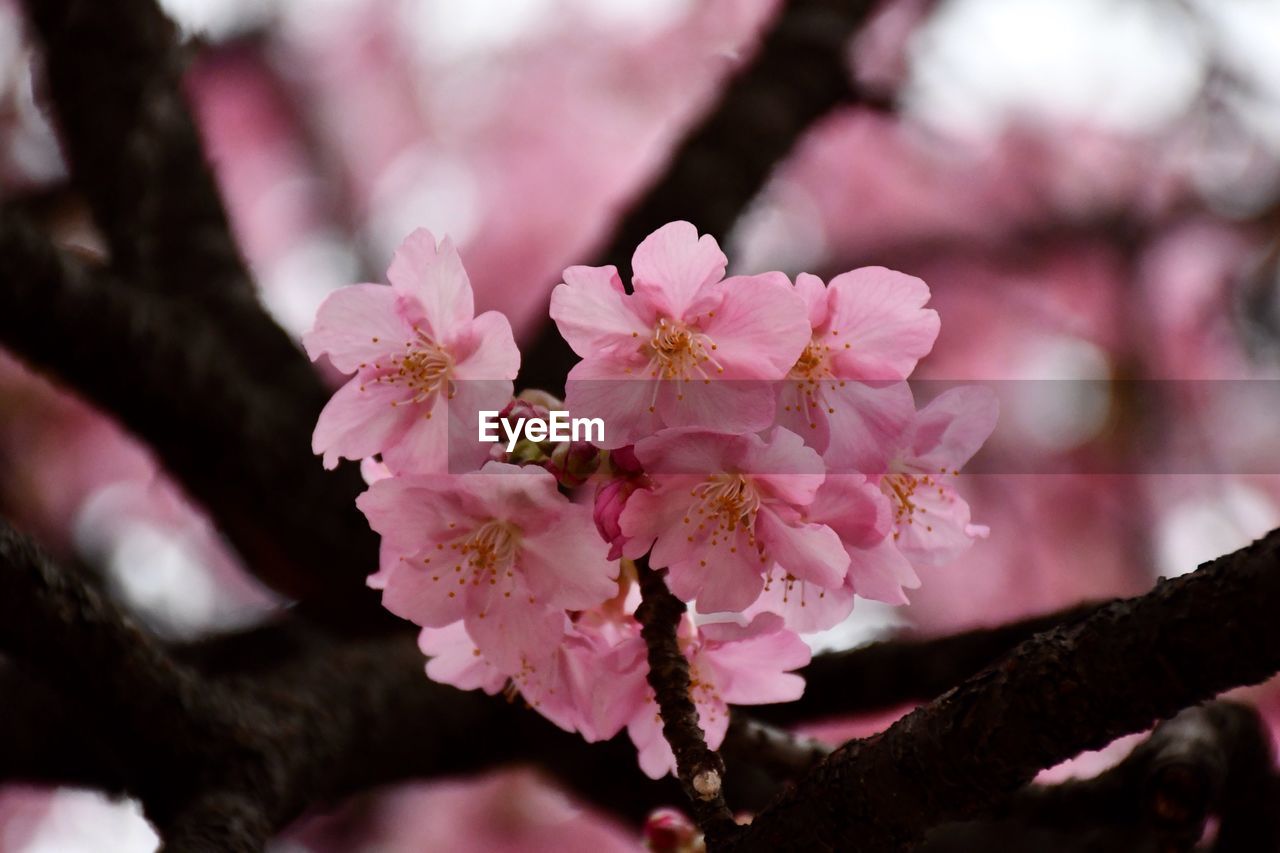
669,831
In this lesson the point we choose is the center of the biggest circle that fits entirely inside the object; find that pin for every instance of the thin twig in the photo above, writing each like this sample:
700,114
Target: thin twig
699,767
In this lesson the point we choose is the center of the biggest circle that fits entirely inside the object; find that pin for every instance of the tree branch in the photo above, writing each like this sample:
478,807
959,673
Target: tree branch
226,438
905,669
700,768
1074,688
1208,760
799,73
115,75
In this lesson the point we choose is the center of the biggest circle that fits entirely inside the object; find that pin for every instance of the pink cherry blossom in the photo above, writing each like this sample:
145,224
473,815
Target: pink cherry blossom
869,328
688,348
931,523
424,364
499,548
724,510
729,663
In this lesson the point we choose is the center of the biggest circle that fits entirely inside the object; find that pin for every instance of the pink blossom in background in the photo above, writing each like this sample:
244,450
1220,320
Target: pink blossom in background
500,548
724,509
510,811
688,348
425,364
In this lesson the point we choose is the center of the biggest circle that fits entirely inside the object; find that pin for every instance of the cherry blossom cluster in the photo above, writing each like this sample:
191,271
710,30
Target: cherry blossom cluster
761,445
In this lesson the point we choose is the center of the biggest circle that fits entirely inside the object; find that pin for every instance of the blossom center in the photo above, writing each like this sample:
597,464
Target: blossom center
725,508
812,364
677,352
902,489
422,369
486,555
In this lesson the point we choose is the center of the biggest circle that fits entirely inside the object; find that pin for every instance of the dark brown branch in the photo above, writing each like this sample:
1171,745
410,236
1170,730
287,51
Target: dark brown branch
1074,688
699,767
1206,761
319,720
115,76
799,73
225,437
762,759
894,672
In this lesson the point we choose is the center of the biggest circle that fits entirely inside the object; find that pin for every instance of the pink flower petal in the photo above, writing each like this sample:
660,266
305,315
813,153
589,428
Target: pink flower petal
949,431
595,390
593,313
485,349
357,325
880,314
360,420
809,551
759,329
435,278
672,264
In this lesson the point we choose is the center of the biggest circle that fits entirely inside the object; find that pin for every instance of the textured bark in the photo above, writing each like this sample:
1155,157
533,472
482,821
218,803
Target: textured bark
237,447
798,74
113,71
1073,688
93,700
1211,760
905,669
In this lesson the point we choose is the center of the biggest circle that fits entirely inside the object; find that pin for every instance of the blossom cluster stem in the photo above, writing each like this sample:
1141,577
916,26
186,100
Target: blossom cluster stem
700,768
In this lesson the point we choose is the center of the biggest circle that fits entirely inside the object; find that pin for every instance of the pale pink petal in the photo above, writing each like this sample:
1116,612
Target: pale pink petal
619,689
698,452
804,606
361,419
855,509
803,413
938,529
593,312
880,572
357,325
655,755
410,511
812,552
735,406
596,390
757,671
649,515
423,594
484,349
423,447
880,323
760,328
792,472
435,278
455,660
867,424
813,293
513,633
566,565
729,582
465,450
949,431
672,264
523,494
